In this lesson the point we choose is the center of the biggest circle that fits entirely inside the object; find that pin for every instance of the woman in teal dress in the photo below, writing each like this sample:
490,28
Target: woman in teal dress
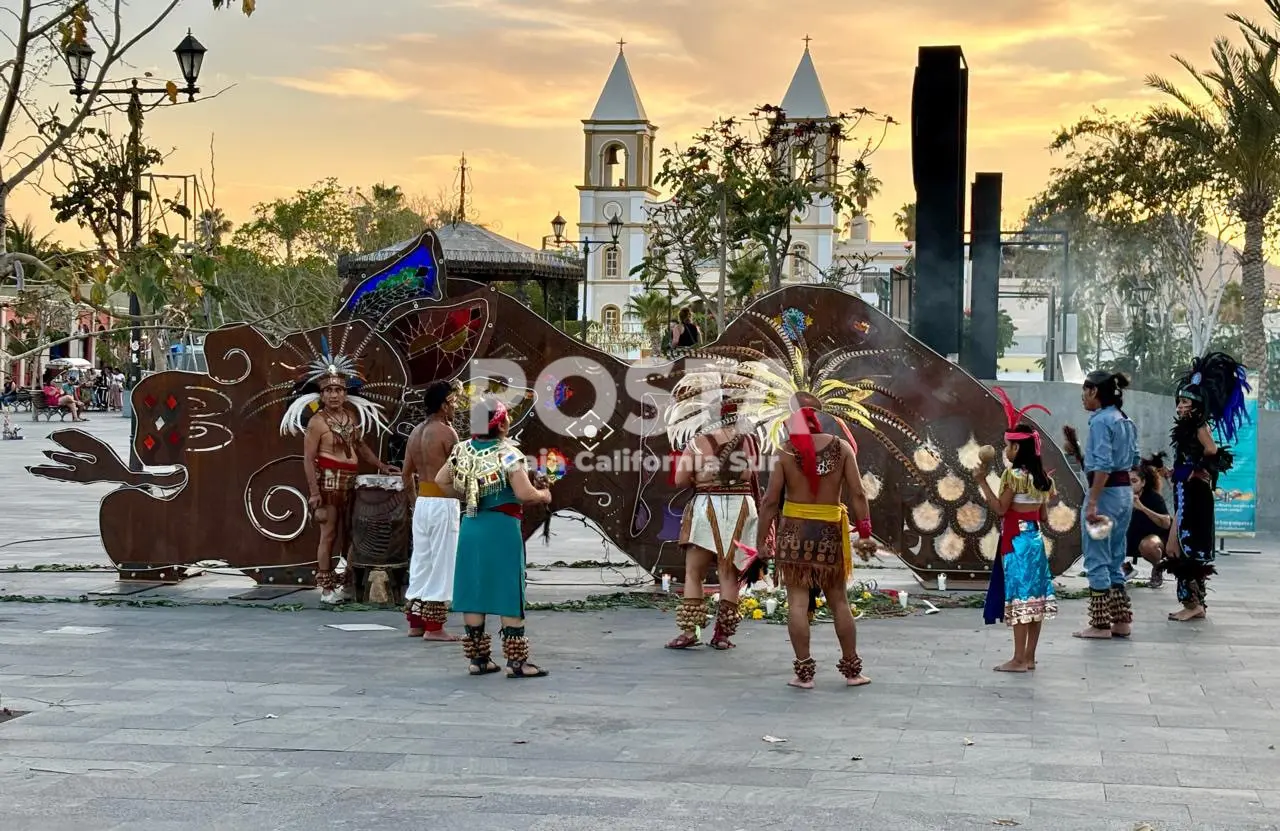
490,475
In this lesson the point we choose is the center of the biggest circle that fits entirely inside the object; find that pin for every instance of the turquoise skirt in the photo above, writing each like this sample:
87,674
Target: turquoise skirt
488,578
1028,584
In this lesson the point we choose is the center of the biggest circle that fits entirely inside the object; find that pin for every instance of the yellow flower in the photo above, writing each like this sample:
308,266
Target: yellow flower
866,595
752,603
853,608
821,602
757,614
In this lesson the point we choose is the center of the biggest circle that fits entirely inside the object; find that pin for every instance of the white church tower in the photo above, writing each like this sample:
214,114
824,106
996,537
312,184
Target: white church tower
617,180
814,231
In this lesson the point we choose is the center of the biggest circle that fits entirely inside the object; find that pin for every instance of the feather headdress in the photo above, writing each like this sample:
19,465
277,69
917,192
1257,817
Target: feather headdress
1218,384
1014,417
320,368
700,404
768,385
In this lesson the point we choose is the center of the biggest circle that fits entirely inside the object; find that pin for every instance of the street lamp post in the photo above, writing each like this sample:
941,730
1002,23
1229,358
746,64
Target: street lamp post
557,228
79,57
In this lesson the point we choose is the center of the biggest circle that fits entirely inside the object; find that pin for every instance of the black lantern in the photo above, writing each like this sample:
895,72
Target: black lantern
79,60
190,58
557,226
615,227
1143,293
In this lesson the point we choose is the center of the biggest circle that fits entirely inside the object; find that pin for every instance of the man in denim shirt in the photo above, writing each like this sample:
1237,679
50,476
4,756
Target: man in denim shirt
1110,452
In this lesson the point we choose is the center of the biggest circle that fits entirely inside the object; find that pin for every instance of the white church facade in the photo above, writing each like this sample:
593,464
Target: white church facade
619,165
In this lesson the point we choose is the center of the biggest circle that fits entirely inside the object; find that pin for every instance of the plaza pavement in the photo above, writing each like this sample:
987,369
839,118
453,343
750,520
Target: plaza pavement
197,716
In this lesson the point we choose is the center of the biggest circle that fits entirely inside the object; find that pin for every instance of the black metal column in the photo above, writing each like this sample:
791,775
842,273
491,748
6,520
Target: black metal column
979,354
939,124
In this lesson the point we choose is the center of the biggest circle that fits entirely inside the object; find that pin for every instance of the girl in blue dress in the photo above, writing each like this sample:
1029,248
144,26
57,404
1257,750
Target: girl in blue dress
1022,573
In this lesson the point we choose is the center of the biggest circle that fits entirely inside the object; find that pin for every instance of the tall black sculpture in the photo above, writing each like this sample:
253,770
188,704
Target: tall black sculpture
979,355
939,124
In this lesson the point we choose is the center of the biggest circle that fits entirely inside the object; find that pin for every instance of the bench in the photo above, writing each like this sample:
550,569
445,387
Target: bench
40,408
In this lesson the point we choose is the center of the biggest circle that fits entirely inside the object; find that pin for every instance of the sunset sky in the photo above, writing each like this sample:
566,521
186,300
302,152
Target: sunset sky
396,90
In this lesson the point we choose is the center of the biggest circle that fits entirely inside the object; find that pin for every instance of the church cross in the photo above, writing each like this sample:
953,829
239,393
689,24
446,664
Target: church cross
806,42
621,43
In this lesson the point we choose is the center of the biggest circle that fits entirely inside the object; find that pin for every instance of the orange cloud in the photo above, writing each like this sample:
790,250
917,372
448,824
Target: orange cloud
352,83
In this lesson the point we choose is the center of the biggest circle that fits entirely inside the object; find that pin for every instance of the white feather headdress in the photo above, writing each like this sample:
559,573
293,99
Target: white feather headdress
325,368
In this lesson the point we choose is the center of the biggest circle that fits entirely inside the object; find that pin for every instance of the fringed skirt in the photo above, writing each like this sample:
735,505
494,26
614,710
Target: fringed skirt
810,553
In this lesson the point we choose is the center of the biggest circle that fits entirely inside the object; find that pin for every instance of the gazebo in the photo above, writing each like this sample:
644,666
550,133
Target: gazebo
472,252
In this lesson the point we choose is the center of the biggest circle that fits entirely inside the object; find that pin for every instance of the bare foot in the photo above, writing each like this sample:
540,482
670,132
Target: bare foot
1093,634
857,681
796,682
1194,613
416,631
1031,666
1011,666
440,636
1121,630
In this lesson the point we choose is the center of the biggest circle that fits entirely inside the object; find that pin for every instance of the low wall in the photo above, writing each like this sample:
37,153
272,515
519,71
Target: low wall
1153,415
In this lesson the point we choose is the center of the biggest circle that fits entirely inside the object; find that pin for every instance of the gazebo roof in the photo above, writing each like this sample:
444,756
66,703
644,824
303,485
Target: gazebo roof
476,252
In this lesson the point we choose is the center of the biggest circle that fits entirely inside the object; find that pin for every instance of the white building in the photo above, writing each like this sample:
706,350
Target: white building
619,164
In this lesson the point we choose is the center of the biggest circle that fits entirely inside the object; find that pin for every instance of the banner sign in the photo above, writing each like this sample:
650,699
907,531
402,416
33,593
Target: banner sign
1235,502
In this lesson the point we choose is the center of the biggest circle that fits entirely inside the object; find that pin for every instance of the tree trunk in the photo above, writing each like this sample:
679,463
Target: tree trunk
1253,284
775,269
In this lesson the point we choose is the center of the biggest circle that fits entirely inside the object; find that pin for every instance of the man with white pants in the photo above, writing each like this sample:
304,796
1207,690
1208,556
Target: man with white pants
435,517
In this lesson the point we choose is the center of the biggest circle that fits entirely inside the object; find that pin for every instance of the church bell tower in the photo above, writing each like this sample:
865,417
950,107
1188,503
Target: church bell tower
617,180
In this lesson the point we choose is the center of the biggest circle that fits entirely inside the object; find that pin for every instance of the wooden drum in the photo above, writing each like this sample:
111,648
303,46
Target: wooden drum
380,539
380,528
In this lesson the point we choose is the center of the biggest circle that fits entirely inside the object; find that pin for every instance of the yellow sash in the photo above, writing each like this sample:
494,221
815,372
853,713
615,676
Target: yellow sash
430,490
825,513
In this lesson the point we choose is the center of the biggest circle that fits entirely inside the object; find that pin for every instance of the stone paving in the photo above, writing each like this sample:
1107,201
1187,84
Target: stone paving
222,717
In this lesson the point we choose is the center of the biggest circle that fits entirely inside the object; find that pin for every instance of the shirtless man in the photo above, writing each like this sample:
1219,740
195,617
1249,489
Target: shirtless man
333,445
436,516
721,466
812,547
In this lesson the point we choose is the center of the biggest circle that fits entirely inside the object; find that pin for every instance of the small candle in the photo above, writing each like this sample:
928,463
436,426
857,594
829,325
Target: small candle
902,599
666,582
771,605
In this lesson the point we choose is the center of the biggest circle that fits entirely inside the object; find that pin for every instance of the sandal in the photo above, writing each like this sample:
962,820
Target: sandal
684,641
483,667
516,669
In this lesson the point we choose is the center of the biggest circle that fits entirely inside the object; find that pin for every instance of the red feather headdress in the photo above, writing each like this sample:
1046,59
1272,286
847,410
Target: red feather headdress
1014,417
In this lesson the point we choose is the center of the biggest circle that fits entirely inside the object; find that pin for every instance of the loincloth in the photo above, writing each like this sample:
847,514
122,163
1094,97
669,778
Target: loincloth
336,480
812,547
714,520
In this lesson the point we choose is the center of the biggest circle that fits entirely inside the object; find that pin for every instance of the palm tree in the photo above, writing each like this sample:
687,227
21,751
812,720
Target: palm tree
865,187
905,221
1238,129
653,310
211,227
747,278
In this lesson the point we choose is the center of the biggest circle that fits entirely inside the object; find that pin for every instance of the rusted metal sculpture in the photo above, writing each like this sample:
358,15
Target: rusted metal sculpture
236,492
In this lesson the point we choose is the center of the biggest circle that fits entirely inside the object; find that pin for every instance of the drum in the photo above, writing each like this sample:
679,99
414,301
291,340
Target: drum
380,530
